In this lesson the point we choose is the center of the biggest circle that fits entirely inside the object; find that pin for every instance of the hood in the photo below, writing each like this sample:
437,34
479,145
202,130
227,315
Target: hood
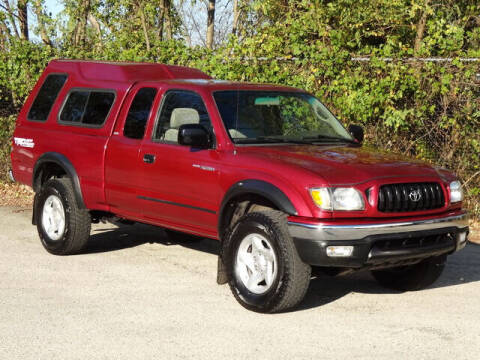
342,164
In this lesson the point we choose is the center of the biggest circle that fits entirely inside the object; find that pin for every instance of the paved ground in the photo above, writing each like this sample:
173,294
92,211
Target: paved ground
134,295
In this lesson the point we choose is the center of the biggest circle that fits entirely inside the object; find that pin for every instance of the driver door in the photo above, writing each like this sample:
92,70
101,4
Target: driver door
179,185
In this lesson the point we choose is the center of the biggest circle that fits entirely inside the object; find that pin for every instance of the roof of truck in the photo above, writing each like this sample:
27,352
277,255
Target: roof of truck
127,73
124,71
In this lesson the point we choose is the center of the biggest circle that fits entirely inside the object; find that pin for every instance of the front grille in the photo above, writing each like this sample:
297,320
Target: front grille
410,197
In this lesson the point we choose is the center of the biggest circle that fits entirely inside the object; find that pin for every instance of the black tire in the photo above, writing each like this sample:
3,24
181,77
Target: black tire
180,237
77,221
292,277
412,277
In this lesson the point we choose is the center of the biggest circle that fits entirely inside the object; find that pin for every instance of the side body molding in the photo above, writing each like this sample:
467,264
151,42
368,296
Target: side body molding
66,165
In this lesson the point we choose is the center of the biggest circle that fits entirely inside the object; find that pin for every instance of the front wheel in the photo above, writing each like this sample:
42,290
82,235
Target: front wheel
263,267
412,277
63,227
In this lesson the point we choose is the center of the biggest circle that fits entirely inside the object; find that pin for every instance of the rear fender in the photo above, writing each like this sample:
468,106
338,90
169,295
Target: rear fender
66,165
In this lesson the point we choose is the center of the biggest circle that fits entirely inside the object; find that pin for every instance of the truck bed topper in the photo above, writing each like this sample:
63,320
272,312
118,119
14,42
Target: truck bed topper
124,71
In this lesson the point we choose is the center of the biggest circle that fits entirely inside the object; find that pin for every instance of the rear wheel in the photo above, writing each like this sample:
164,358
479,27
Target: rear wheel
412,277
264,270
63,227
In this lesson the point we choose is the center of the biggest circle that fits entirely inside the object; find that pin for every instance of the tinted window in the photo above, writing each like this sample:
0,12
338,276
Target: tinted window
138,113
98,107
46,97
180,107
75,106
87,107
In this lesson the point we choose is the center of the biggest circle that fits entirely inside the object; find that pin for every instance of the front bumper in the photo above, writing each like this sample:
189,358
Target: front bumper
379,244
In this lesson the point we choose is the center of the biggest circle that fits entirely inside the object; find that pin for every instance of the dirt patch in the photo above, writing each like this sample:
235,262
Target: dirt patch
14,194
474,235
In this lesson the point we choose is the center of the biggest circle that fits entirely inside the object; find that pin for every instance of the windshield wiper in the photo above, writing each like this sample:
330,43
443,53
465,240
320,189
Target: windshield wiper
332,138
271,140
309,140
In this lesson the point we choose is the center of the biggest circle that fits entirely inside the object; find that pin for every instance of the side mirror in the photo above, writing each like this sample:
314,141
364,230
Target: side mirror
194,135
357,132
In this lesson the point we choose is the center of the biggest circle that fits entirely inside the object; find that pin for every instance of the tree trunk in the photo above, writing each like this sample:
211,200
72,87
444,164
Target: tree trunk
161,20
4,35
168,19
11,18
236,16
37,6
421,29
23,18
96,25
210,23
85,20
144,26
81,28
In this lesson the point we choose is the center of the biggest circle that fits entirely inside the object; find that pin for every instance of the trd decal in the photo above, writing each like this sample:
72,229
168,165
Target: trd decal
28,143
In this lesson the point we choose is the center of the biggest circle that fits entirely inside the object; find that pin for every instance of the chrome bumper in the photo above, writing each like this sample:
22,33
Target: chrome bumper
321,232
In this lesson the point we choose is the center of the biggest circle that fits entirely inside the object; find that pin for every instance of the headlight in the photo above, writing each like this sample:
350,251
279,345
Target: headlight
337,198
456,192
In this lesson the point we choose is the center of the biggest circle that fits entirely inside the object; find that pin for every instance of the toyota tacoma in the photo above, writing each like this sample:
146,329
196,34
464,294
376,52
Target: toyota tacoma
267,170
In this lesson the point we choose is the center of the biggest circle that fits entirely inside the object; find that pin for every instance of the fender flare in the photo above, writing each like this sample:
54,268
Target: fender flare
66,165
258,187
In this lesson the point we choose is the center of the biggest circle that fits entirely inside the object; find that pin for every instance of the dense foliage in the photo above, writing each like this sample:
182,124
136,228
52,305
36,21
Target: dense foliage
424,109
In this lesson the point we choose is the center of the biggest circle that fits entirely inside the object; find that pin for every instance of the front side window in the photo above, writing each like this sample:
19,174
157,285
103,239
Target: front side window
87,107
275,116
138,113
179,108
43,103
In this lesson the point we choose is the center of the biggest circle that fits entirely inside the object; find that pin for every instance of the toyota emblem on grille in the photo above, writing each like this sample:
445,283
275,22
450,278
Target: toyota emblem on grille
415,195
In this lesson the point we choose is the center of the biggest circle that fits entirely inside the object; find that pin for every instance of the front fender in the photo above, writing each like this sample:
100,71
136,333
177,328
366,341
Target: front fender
287,200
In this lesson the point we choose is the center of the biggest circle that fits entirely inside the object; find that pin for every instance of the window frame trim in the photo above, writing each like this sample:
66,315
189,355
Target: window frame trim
81,124
54,101
213,145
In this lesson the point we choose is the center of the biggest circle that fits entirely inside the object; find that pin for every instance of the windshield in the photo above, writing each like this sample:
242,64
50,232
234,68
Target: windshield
275,116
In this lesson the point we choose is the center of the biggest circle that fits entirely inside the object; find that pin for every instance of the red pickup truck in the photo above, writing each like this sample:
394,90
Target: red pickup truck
267,170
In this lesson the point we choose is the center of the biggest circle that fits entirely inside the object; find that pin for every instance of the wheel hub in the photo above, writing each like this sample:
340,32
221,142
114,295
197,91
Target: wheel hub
256,263
53,217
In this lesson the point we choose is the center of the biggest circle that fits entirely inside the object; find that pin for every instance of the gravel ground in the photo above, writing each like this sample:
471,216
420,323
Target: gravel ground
15,194
135,295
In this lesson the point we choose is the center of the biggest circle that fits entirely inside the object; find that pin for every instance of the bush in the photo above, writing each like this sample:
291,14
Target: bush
7,124
424,110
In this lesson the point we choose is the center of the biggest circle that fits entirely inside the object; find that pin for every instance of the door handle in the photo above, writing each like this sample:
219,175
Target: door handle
148,158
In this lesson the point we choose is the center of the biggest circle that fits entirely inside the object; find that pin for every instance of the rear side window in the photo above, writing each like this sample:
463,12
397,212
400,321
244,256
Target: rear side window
74,107
87,107
42,105
138,113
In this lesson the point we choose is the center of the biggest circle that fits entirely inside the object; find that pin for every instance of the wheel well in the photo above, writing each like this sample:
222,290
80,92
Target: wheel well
241,205
46,171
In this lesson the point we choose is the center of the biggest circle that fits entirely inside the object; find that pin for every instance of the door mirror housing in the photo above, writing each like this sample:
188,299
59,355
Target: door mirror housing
357,132
194,135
